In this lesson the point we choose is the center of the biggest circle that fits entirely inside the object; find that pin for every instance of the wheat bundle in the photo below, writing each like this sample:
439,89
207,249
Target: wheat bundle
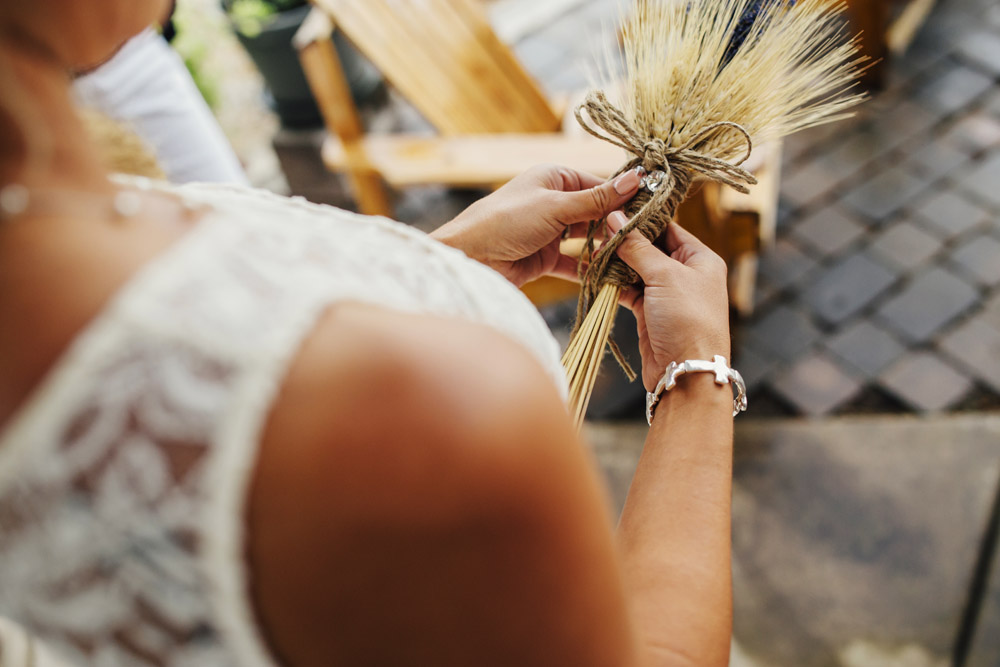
705,80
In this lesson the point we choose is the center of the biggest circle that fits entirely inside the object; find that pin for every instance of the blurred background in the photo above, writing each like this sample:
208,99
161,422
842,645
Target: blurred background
865,286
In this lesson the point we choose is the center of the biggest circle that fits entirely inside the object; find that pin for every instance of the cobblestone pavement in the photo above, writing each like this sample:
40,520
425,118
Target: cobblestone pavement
857,541
882,292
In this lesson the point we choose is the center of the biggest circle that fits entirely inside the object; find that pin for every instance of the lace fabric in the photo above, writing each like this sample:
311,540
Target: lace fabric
123,479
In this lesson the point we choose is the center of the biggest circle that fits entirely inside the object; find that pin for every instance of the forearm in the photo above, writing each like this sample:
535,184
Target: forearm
675,529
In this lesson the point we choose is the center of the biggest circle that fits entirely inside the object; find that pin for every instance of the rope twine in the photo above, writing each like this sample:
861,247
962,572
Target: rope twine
654,206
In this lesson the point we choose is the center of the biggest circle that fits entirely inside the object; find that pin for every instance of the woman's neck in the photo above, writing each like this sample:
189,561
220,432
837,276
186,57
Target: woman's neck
42,141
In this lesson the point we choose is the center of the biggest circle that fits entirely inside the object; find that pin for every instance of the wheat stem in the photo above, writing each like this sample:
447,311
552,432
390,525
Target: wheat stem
582,360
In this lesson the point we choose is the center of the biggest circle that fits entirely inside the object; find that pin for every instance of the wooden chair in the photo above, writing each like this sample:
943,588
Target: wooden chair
493,119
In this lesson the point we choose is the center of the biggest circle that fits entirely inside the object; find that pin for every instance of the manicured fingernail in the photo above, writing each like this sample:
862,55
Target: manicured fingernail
627,183
616,221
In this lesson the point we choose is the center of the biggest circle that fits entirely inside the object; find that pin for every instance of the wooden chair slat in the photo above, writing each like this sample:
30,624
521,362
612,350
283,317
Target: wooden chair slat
533,97
471,81
384,40
444,58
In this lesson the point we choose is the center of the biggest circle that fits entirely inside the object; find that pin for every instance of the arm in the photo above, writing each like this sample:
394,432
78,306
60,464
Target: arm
424,500
675,529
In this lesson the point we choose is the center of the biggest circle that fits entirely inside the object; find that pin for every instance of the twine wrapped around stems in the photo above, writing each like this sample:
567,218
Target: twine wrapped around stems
670,173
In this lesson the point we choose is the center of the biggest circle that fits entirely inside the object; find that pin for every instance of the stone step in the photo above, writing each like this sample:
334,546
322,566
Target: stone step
854,539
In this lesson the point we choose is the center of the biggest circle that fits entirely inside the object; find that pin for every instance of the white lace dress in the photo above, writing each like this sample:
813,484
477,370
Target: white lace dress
123,478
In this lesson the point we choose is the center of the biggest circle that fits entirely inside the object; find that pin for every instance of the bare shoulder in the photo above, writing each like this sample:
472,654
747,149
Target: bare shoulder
367,374
421,498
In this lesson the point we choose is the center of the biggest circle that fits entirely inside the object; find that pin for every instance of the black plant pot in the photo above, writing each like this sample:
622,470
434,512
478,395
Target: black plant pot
275,56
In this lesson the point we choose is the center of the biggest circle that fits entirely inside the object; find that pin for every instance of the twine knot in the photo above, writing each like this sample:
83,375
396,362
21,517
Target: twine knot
654,154
669,174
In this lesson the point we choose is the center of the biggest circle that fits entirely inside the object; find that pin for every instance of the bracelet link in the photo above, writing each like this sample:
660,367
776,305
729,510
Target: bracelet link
723,375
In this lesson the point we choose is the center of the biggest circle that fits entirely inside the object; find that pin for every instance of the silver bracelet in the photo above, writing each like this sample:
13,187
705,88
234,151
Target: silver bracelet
723,375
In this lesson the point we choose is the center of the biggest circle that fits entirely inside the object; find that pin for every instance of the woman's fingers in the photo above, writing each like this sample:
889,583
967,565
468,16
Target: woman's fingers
687,248
595,203
564,179
579,180
678,237
631,298
578,231
636,250
566,268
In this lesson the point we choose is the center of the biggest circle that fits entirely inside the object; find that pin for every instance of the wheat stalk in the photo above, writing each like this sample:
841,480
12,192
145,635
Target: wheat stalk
693,69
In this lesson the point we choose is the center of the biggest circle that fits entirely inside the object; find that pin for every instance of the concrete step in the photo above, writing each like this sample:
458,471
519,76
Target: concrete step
855,540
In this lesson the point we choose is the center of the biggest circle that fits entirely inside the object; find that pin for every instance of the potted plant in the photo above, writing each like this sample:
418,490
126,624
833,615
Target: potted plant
265,29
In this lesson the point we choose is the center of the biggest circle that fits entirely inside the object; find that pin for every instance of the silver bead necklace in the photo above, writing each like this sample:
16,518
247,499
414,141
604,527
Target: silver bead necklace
17,200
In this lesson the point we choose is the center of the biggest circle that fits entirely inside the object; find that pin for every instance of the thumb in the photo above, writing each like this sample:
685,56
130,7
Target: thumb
597,202
636,250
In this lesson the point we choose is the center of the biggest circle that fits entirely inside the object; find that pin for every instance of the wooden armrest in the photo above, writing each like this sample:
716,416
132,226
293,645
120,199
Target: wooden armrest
762,200
472,160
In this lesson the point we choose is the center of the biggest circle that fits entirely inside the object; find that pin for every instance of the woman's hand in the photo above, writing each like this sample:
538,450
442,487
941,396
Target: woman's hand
683,311
517,229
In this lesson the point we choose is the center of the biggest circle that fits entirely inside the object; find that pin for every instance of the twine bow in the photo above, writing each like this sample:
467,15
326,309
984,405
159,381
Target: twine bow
653,208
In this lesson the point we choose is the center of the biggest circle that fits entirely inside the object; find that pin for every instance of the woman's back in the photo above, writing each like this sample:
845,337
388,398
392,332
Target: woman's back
123,478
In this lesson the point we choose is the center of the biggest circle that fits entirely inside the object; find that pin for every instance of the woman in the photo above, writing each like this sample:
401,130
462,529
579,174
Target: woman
147,87
236,429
